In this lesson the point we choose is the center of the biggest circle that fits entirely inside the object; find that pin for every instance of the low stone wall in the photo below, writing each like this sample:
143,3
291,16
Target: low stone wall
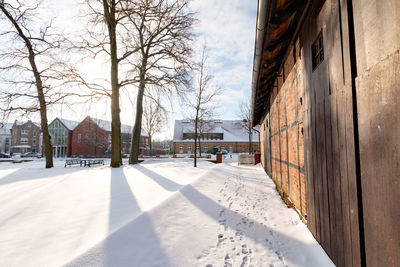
246,159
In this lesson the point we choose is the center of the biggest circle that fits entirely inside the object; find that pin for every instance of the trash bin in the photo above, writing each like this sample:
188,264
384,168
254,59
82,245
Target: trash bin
215,150
219,158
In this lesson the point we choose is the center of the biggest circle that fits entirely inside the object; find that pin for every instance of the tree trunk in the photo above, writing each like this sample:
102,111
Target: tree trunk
195,141
199,145
39,87
151,150
116,159
134,157
249,143
43,112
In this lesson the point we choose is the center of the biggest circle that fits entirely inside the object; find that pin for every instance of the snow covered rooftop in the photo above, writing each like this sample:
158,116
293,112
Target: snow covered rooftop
106,126
232,130
68,123
5,127
19,123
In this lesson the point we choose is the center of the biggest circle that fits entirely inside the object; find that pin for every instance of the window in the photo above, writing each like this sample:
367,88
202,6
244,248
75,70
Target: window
34,142
205,148
189,149
79,138
16,132
24,140
180,149
230,149
317,51
109,138
86,138
34,133
24,132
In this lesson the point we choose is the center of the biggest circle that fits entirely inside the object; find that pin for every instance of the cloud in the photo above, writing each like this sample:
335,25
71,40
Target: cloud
228,28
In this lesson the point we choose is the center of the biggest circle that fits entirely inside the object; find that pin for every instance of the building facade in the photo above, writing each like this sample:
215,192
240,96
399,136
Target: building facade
25,137
5,137
61,131
228,135
92,137
325,92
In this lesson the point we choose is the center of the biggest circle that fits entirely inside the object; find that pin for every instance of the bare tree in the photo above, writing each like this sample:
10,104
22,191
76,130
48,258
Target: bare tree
154,118
30,53
245,121
202,95
205,123
109,34
162,30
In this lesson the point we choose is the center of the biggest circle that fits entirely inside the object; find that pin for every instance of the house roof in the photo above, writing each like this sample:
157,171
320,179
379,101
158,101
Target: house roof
106,126
232,130
5,127
278,22
68,123
19,123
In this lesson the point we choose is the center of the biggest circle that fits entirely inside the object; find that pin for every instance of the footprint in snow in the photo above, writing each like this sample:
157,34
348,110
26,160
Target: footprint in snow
221,212
228,261
279,255
244,261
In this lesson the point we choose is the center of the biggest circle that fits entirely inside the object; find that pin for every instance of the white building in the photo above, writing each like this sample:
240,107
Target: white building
5,137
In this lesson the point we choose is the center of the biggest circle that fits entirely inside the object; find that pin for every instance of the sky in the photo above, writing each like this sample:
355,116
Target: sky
227,27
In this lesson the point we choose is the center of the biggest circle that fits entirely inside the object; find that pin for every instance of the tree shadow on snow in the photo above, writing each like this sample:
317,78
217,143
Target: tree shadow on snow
132,240
258,232
166,183
27,173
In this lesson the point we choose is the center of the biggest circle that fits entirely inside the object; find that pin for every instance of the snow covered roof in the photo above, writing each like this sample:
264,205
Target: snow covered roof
232,130
106,126
5,127
68,123
19,123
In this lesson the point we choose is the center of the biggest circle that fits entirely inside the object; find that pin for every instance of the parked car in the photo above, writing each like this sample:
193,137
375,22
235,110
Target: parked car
31,155
3,155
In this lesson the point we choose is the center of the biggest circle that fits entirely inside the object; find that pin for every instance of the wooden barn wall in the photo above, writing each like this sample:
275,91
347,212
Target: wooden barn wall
282,135
329,135
377,42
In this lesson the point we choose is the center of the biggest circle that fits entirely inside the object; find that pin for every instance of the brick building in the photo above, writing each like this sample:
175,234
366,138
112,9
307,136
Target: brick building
61,131
325,92
93,137
25,137
221,134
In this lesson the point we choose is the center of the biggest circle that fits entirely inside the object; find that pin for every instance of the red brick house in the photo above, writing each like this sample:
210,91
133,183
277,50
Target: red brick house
93,137
25,137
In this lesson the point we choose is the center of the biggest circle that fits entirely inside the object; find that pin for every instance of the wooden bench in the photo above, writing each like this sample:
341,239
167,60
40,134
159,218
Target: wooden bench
89,162
71,162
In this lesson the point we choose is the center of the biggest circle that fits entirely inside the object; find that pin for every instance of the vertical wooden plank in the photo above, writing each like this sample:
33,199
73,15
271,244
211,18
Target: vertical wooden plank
378,102
344,180
315,164
352,179
338,222
323,188
308,170
329,177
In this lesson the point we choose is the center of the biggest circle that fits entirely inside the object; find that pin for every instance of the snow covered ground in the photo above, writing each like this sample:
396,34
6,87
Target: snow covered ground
159,213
